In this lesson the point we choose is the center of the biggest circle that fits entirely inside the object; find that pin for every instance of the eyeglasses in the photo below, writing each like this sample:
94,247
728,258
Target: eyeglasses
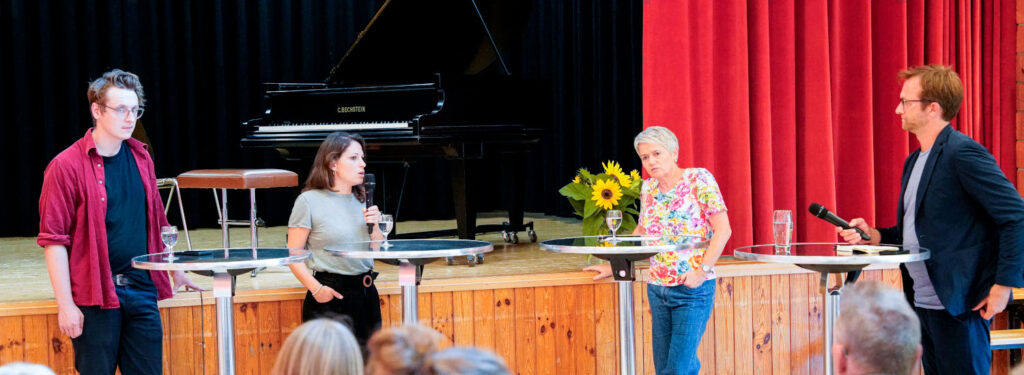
123,112
905,101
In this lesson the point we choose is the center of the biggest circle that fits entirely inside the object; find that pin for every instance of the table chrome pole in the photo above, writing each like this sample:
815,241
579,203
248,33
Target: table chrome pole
225,322
407,279
627,353
831,313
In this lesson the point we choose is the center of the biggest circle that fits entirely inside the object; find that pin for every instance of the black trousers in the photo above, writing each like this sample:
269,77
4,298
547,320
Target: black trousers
359,307
130,336
954,344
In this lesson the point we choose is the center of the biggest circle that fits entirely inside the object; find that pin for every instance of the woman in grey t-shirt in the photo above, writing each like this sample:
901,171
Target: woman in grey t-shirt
332,210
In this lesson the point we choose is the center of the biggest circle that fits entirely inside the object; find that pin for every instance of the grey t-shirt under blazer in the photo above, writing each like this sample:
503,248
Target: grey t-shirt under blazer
332,218
924,291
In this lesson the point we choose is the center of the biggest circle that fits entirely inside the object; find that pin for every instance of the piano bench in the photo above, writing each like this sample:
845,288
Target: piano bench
224,179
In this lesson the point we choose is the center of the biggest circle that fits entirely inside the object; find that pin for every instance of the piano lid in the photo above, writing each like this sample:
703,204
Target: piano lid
411,40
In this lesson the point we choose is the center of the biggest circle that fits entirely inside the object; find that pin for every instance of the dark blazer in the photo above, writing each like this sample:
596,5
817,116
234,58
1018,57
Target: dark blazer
969,216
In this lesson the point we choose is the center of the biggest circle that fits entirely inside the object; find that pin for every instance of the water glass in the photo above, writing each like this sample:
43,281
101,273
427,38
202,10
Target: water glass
386,223
782,230
613,218
169,236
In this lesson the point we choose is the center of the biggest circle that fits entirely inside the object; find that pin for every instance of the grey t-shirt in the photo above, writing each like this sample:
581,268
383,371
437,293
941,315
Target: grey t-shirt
332,218
924,291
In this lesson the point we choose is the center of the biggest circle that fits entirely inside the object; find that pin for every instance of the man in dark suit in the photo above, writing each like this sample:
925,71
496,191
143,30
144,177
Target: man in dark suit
955,202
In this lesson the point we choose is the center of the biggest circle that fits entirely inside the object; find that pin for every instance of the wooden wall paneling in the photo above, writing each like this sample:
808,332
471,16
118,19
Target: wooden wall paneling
583,344
210,360
181,332
270,338
442,317
761,324
12,338
780,328
1000,358
483,319
462,302
505,324
816,323
606,328
799,359
62,354
396,309
385,311
565,321
246,338
35,338
165,322
743,319
725,352
641,327
706,348
546,307
526,332
425,308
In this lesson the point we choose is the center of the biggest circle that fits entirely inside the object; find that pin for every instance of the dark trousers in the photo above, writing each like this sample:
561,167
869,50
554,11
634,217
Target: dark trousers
360,307
130,336
954,344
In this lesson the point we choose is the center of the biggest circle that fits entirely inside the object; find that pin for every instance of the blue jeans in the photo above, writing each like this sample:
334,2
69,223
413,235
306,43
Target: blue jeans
130,336
679,315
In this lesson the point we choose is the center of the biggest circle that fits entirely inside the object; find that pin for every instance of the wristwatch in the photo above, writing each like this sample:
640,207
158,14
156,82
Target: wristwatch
706,268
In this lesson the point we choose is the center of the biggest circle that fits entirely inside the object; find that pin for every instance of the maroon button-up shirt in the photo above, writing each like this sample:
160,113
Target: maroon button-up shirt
72,212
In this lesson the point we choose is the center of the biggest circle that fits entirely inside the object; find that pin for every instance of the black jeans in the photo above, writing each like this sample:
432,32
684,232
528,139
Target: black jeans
130,336
954,344
360,305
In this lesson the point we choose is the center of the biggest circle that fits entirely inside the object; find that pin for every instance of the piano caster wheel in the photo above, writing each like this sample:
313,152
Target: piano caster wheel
533,235
479,259
471,259
506,236
515,237
449,260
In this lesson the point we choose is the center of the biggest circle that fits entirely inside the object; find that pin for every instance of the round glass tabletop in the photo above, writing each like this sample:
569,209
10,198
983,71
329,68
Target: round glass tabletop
410,249
220,259
830,254
623,244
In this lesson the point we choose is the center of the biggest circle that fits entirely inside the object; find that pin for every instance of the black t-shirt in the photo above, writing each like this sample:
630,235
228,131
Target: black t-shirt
126,216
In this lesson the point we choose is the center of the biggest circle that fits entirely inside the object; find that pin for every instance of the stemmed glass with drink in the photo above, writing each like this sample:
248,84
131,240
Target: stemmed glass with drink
613,218
169,236
386,223
782,230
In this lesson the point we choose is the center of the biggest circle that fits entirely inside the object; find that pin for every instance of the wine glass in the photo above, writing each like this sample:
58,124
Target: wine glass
385,224
613,219
169,236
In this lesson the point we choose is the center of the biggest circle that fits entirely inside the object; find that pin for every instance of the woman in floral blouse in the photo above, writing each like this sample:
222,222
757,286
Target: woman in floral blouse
677,202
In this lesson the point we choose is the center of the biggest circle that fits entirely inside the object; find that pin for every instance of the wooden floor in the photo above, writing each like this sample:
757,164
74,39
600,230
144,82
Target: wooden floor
24,276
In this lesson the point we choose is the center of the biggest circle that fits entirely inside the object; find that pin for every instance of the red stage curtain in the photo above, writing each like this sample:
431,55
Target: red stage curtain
790,102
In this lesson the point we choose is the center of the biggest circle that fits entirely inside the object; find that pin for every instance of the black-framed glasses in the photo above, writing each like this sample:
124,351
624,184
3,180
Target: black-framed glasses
904,102
123,112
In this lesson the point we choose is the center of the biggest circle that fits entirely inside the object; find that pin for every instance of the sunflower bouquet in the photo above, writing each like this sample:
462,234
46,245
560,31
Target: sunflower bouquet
592,195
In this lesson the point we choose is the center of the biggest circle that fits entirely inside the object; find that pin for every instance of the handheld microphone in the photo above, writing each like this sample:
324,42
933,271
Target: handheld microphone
369,183
822,213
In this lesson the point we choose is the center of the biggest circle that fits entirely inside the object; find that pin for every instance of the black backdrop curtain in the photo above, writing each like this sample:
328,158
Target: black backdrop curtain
202,64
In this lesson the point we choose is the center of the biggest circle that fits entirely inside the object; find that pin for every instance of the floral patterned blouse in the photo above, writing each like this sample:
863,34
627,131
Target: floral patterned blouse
683,211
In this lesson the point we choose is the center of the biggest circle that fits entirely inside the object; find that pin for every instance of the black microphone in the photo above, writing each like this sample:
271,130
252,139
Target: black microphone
822,213
369,183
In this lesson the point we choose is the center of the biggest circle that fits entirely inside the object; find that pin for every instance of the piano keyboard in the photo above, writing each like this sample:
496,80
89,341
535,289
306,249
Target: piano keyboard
330,127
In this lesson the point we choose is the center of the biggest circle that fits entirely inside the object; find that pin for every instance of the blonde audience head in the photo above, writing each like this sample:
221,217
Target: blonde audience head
465,361
401,350
320,346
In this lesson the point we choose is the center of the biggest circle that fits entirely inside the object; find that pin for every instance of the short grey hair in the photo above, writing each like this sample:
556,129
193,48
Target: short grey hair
465,361
878,327
657,135
24,368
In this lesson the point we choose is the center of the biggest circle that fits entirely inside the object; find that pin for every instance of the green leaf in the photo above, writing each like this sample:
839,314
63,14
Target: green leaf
594,225
628,224
577,205
576,191
586,175
590,208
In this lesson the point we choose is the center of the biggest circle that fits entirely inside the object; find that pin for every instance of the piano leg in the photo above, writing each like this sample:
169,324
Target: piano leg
465,216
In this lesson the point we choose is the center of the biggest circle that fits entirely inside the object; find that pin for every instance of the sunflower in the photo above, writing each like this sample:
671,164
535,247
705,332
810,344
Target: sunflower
623,180
635,175
612,168
606,194
576,180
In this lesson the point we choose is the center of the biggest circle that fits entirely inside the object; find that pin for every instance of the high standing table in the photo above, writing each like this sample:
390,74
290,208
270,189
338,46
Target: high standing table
822,258
223,265
621,253
410,256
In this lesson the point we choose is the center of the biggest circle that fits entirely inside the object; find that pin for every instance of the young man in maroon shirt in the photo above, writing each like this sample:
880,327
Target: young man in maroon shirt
99,207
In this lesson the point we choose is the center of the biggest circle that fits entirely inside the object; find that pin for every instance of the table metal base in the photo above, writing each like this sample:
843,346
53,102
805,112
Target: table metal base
223,291
407,278
627,353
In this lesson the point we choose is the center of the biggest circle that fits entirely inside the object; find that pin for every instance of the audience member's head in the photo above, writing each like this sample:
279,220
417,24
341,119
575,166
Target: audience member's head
23,368
401,350
465,361
877,331
320,346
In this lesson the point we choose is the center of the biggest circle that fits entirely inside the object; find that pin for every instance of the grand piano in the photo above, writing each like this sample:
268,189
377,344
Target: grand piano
424,79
